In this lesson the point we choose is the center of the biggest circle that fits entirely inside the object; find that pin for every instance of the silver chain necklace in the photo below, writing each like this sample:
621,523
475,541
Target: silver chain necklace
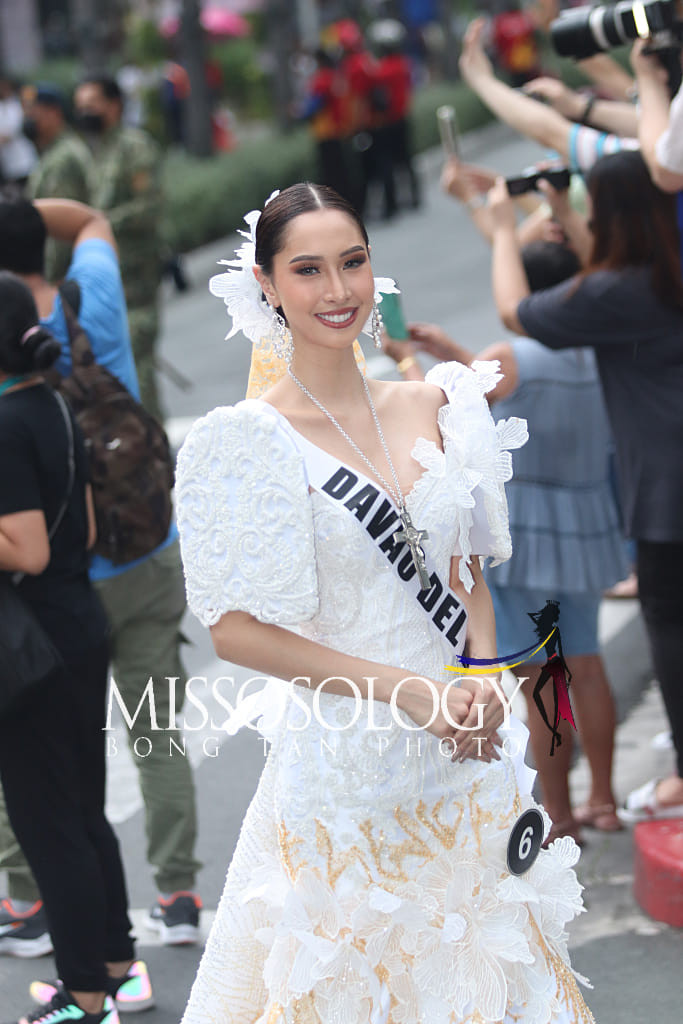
409,534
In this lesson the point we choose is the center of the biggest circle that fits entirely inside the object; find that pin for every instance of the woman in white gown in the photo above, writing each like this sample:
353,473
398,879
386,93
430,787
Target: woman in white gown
370,883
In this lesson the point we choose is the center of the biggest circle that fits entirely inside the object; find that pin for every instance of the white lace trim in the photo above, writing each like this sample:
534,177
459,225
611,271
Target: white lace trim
476,460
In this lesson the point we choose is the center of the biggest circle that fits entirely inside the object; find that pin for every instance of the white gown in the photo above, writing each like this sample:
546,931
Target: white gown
369,884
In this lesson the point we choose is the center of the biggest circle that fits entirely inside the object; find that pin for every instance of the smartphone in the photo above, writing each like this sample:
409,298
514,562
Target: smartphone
448,130
559,178
393,318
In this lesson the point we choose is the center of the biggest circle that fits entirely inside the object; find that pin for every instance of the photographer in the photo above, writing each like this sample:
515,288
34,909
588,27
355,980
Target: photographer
628,306
660,127
578,145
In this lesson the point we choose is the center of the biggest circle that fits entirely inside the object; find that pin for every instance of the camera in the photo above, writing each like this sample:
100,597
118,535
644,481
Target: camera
584,31
558,177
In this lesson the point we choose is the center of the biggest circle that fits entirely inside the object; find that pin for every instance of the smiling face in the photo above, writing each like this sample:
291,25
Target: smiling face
322,279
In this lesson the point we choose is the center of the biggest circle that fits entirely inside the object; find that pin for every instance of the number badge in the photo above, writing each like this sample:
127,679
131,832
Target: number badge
525,841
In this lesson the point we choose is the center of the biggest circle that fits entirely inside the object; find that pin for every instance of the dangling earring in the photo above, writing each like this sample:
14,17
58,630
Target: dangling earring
377,325
282,341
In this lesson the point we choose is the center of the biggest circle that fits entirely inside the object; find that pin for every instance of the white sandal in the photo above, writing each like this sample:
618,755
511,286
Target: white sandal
641,805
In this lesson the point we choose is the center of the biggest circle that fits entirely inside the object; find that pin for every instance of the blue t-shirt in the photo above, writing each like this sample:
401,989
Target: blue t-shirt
104,318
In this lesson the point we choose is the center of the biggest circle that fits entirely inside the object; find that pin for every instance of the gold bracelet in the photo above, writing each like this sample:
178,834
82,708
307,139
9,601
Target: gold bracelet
405,363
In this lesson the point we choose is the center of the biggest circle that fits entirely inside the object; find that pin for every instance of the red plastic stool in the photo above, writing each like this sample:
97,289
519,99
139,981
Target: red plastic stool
658,869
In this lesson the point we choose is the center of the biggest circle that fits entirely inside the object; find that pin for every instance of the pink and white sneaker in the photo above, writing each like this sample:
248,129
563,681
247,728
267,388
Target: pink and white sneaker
132,993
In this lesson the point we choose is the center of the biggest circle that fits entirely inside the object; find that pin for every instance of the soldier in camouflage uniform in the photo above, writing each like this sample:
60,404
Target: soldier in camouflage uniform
64,170
128,189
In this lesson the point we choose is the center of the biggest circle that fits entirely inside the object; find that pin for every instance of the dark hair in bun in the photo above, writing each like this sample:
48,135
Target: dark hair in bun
293,201
25,345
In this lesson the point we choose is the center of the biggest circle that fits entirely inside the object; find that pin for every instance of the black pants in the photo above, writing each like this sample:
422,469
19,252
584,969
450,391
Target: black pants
52,766
660,579
401,156
335,169
381,169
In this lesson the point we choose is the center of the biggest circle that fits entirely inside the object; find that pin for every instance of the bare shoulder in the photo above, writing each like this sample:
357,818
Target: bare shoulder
413,396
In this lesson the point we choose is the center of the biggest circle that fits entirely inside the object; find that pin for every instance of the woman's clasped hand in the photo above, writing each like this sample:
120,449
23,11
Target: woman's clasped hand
465,718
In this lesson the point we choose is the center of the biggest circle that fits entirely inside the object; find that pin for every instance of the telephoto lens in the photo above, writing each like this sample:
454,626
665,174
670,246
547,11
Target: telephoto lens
584,31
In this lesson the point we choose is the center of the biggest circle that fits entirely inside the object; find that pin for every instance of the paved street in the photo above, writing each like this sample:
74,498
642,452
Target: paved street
442,267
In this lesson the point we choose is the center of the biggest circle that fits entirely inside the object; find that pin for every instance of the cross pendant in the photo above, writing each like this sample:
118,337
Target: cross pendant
413,538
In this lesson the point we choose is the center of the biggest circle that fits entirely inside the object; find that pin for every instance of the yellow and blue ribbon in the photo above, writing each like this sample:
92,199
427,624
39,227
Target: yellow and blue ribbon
493,665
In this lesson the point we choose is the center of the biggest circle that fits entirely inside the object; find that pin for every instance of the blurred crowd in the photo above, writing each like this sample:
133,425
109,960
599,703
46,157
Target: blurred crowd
81,147
586,267
357,104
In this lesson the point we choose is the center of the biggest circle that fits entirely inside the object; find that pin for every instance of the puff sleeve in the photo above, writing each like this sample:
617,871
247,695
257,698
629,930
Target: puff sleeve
245,519
477,460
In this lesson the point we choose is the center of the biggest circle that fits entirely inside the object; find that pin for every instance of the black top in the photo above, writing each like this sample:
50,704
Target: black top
638,344
34,474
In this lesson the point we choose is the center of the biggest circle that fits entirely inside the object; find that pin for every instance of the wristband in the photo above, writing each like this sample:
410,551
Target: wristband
406,364
590,103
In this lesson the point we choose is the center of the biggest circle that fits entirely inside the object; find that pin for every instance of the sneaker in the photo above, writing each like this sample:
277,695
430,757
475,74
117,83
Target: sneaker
176,919
63,1009
131,993
24,934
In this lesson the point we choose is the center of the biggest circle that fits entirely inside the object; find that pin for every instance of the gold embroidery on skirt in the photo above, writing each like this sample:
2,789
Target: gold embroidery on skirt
388,860
304,1011
337,863
567,987
287,845
444,834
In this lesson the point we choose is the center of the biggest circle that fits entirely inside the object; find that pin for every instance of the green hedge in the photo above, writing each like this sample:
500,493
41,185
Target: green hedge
206,199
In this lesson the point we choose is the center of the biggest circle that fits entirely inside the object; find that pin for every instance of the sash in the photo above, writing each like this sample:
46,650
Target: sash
377,514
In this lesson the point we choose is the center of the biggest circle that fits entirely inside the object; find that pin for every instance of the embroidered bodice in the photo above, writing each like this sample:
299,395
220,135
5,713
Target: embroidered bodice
254,540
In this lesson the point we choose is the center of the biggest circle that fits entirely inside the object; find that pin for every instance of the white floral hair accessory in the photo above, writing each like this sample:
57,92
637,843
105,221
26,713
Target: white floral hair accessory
242,294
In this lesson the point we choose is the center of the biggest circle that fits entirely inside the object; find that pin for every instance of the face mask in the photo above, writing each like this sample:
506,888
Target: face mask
30,128
91,124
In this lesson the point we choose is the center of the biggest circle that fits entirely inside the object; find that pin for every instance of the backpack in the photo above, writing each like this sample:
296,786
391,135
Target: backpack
131,466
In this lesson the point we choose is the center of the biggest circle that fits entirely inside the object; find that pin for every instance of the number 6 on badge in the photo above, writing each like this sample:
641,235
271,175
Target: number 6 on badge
525,841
